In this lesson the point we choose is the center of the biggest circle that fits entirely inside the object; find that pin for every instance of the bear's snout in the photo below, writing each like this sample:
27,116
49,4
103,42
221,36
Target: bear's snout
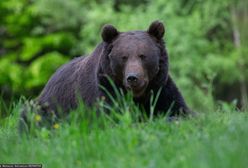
136,83
135,77
132,79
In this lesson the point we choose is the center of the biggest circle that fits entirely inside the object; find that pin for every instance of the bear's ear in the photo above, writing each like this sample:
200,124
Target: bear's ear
156,29
109,32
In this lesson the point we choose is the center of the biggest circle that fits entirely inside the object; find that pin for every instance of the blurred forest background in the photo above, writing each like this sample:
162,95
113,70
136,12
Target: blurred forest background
206,39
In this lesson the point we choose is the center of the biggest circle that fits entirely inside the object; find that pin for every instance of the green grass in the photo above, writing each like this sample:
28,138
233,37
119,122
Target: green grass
213,139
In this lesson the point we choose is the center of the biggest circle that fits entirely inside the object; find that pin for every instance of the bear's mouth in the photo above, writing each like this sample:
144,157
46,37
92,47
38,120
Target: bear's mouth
139,90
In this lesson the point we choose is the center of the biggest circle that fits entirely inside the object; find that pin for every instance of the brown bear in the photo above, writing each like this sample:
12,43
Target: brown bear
135,61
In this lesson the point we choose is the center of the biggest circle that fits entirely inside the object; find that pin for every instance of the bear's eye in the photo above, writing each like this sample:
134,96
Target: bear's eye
124,58
142,56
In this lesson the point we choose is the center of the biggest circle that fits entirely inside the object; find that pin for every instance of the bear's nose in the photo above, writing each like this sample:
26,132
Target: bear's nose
132,79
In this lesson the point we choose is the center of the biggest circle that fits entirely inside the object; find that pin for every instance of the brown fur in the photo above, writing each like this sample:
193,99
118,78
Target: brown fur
135,60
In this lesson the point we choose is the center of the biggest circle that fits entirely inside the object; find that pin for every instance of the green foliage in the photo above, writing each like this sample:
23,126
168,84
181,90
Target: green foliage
38,36
207,45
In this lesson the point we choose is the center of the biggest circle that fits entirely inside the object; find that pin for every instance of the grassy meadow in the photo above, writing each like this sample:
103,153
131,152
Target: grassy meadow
213,139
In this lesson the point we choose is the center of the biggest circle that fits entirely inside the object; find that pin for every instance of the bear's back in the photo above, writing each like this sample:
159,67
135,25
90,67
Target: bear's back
61,88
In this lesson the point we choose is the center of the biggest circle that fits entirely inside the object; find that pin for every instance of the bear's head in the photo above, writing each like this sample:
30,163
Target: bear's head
136,60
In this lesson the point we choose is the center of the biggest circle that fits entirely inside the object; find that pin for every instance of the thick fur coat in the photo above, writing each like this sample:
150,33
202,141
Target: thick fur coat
136,61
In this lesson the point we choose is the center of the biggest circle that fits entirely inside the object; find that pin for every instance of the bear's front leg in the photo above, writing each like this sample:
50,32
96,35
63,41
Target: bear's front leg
171,101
